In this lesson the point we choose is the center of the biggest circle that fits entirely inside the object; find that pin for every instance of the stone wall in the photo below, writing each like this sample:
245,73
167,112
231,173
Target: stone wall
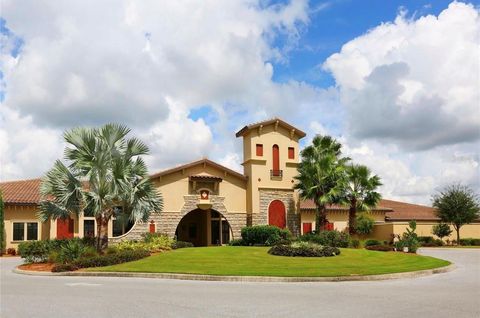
286,196
167,222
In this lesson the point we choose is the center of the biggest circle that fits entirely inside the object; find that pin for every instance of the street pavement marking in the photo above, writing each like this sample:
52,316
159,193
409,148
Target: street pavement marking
82,284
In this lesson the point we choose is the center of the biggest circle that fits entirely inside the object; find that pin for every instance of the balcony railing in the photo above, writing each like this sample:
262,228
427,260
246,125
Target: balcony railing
276,173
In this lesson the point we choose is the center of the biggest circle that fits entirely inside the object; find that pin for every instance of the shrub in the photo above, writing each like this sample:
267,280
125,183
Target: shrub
264,235
470,242
237,242
11,251
34,251
441,230
381,248
364,224
354,243
303,249
152,243
328,238
372,242
71,251
111,259
181,244
64,268
425,239
409,239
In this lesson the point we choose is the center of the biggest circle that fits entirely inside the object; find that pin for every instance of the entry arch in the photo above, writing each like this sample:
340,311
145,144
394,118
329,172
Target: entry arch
277,214
204,228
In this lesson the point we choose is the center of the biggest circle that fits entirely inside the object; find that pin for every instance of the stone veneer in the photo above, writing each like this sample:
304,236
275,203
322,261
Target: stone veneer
284,195
167,222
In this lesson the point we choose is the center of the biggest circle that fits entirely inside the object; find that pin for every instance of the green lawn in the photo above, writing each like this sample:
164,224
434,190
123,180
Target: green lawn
255,261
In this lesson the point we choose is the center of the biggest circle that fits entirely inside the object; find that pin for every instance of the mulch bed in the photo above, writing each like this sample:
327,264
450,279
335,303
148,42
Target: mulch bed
39,267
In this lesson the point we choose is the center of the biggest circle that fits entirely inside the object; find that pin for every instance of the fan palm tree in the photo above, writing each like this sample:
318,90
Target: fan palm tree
103,171
319,174
358,191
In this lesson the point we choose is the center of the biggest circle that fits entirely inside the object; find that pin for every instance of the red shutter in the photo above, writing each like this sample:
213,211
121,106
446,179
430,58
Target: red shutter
307,228
259,150
152,227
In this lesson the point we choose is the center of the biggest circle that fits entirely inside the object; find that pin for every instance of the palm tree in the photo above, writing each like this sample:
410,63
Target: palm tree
104,171
319,173
359,192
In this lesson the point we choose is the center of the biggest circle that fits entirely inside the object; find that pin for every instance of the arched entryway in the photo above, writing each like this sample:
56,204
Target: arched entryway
276,214
204,228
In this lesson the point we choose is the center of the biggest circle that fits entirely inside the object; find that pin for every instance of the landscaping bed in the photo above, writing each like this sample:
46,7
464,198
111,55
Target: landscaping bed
255,261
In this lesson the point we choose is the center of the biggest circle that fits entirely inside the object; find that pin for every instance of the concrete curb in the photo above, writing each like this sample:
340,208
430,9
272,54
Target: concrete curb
260,279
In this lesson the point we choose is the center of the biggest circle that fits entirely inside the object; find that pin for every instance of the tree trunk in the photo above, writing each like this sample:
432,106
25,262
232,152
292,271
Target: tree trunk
352,217
321,218
457,228
102,234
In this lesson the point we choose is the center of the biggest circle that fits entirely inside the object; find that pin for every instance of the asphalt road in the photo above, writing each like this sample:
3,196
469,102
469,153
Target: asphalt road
453,294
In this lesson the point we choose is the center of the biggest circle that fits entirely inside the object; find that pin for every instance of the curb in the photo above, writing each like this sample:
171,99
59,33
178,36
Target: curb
257,279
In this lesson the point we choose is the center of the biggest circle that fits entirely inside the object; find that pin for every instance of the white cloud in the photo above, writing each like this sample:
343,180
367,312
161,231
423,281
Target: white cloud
414,82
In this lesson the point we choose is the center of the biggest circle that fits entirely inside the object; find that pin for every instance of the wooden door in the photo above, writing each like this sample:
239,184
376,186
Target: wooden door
276,214
307,228
65,228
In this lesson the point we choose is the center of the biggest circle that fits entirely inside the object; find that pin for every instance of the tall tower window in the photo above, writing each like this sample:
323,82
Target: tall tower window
276,161
259,149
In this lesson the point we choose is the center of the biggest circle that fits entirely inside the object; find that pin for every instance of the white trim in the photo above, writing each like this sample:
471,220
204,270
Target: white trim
25,230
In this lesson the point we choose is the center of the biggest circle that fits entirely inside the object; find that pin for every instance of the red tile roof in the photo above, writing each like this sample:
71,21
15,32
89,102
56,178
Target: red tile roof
396,211
274,120
310,205
407,211
21,192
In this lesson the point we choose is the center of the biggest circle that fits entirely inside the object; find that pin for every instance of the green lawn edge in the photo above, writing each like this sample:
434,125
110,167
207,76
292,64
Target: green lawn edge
255,261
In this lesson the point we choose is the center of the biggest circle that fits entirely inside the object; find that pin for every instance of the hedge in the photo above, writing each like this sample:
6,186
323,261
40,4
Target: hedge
264,235
381,248
103,260
303,249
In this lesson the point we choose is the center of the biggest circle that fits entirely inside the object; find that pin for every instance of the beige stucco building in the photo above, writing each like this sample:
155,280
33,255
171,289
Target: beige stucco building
208,204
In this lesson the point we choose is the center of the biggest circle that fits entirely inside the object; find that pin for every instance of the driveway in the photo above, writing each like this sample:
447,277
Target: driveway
453,294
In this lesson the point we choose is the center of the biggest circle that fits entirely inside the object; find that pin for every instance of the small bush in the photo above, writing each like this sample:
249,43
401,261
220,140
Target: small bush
11,251
381,248
237,242
72,250
429,241
181,244
328,238
354,243
425,239
372,242
152,242
364,224
34,251
64,268
303,249
441,230
264,235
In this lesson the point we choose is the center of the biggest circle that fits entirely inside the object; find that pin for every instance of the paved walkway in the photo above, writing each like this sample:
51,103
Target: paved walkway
453,294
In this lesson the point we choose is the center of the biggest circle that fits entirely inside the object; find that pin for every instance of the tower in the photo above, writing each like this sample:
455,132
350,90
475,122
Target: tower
270,159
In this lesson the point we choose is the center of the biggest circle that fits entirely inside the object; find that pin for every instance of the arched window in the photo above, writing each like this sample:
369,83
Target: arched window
276,161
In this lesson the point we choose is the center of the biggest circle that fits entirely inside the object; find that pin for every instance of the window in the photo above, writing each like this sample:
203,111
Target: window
32,231
259,150
121,222
25,230
18,231
291,153
88,228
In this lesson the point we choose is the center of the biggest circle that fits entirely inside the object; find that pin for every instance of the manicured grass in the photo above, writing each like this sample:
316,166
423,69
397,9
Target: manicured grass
255,261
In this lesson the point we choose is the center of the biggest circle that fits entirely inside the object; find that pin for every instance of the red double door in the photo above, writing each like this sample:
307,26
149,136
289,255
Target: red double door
65,228
276,214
